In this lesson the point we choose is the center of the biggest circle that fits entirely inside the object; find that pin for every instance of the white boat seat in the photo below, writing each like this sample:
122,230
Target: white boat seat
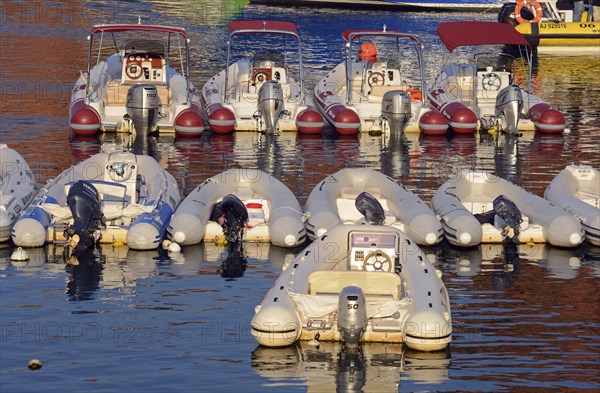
478,204
352,192
373,284
110,193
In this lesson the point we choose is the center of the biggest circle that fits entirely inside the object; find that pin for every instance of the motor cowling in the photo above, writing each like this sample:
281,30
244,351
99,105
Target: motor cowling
83,200
232,215
370,208
143,107
395,108
511,216
509,103
352,314
270,104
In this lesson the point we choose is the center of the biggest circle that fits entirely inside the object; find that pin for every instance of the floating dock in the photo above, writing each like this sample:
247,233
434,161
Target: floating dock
382,5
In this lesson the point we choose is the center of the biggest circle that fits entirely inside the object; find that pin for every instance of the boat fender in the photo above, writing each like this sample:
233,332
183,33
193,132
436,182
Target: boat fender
531,5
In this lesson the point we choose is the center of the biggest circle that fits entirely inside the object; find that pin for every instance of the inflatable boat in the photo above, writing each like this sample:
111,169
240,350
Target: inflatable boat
272,212
577,190
357,283
478,207
137,80
332,202
125,199
264,92
381,89
17,188
483,93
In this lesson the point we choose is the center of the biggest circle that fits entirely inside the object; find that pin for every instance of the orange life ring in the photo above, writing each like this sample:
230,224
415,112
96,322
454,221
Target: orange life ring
533,6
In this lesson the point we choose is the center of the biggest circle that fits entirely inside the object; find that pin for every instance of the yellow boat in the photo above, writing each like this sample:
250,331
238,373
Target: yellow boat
549,29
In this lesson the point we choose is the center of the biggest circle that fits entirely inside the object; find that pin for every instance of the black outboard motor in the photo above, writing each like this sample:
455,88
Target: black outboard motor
511,215
370,208
232,215
84,201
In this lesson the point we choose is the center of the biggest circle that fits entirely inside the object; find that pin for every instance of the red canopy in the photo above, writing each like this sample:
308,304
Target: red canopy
455,34
374,33
256,26
119,28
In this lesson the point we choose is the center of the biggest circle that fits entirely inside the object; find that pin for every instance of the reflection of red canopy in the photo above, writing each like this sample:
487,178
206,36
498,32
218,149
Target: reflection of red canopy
455,34
259,25
376,33
122,28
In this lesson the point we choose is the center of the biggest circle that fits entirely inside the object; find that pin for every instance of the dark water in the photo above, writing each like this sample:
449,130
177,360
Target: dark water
525,321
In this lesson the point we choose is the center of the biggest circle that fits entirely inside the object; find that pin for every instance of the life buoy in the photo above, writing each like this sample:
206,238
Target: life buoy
533,6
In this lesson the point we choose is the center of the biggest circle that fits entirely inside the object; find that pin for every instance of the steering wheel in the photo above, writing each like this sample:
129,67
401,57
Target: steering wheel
133,70
261,75
491,81
377,261
376,78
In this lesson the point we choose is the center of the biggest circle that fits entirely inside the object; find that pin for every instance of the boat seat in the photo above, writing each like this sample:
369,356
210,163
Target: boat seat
478,204
114,194
116,94
379,285
353,192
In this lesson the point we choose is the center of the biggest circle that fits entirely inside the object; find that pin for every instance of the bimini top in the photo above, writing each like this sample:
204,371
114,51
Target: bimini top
119,28
354,34
455,34
261,26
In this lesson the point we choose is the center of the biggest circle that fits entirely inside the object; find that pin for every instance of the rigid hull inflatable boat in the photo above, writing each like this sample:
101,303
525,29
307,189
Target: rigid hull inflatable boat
577,190
274,213
17,188
483,93
382,89
139,83
259,93
469,215
136,197
332,202
357,283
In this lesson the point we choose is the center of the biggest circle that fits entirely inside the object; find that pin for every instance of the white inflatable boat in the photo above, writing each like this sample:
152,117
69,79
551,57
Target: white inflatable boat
464,201
17,188
357,283
137,198
274,213
577,190
332,202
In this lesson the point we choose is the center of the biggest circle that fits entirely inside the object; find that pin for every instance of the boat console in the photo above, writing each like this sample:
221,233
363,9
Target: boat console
268,66
373,251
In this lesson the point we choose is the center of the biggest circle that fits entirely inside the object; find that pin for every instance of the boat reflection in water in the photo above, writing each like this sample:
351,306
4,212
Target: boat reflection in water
333,367
504,261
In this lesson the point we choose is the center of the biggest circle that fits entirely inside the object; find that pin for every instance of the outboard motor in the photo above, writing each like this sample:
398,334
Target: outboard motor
511,215
352,314
509,103
84,202
270,104
232,215
395,108
142,108
370,208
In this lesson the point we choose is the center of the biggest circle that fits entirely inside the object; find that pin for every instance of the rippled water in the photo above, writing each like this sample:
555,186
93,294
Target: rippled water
526,320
